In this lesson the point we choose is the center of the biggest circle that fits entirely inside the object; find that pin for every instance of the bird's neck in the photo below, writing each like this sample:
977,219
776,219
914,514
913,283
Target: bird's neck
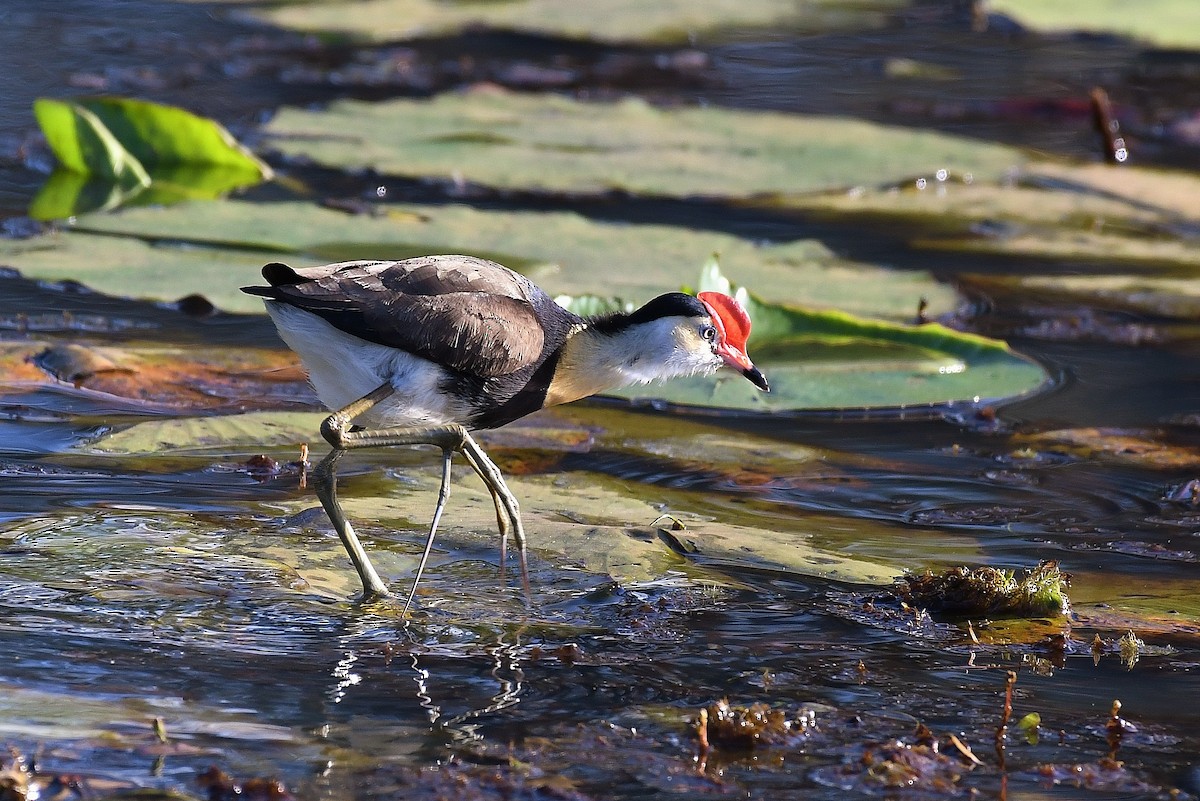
592,361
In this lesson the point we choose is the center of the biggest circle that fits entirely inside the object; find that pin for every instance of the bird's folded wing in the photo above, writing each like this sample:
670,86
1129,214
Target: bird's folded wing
474,332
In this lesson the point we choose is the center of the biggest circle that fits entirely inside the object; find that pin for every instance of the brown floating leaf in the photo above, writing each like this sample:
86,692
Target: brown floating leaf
175,379
897,765
223,787
76,363
1136,447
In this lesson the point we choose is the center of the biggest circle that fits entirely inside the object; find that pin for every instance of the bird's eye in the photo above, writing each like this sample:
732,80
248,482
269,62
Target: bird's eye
709,333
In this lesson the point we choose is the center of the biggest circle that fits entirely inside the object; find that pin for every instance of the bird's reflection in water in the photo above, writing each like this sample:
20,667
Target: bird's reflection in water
463,727
458,727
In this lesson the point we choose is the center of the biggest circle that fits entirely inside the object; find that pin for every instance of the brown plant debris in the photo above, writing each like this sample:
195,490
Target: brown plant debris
1107,773
1114,729
220,786
897,765
741,728
1034,592
463,781
15,778
1104,774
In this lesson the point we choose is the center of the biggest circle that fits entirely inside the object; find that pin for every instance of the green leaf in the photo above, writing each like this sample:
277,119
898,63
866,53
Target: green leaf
253,430
1138,216
84,145
67,193
123,146
160,136
813,358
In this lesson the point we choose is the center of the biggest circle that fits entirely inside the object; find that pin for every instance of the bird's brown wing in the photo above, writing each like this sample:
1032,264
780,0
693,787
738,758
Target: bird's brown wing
461,312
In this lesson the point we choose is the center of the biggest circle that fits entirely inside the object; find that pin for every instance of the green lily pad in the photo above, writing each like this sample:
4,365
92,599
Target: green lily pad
1170,23
593,520
253,430
597,525
554,143
215,247
669,21
1168,297
1143,217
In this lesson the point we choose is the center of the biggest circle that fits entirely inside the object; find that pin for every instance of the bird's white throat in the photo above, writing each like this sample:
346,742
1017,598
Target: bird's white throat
658,350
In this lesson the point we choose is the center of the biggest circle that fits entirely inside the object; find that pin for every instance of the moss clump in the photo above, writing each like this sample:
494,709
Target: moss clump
1035,592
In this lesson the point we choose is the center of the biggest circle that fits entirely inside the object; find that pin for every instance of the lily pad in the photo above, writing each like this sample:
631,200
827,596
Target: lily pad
1143,217
1171,23
814,358
253,430
213,248
554,143
588,518
669,21
614,536
1166,297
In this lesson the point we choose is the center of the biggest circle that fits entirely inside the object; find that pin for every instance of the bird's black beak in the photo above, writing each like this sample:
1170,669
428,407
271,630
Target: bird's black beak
756,378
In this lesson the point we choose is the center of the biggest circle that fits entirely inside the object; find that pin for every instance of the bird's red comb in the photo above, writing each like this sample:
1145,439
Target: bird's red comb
729,316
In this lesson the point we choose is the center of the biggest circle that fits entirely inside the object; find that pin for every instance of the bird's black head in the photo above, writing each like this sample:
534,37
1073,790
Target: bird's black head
672,304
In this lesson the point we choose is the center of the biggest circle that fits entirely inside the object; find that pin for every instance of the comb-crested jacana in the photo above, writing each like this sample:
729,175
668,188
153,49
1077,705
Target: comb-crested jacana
424,350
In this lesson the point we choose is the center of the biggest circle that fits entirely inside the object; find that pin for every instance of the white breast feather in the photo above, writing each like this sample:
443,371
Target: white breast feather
343,368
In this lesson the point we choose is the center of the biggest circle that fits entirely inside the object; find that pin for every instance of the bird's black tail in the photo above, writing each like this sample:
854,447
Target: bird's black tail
277,275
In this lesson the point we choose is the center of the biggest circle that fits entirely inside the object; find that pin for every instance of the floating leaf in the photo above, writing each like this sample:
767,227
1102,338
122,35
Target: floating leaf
1145,448
1173,23
253,431
554,143
595,523
142,377
215,247
673,21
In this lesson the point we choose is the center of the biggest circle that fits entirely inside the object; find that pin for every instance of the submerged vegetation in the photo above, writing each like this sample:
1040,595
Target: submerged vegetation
1032,592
